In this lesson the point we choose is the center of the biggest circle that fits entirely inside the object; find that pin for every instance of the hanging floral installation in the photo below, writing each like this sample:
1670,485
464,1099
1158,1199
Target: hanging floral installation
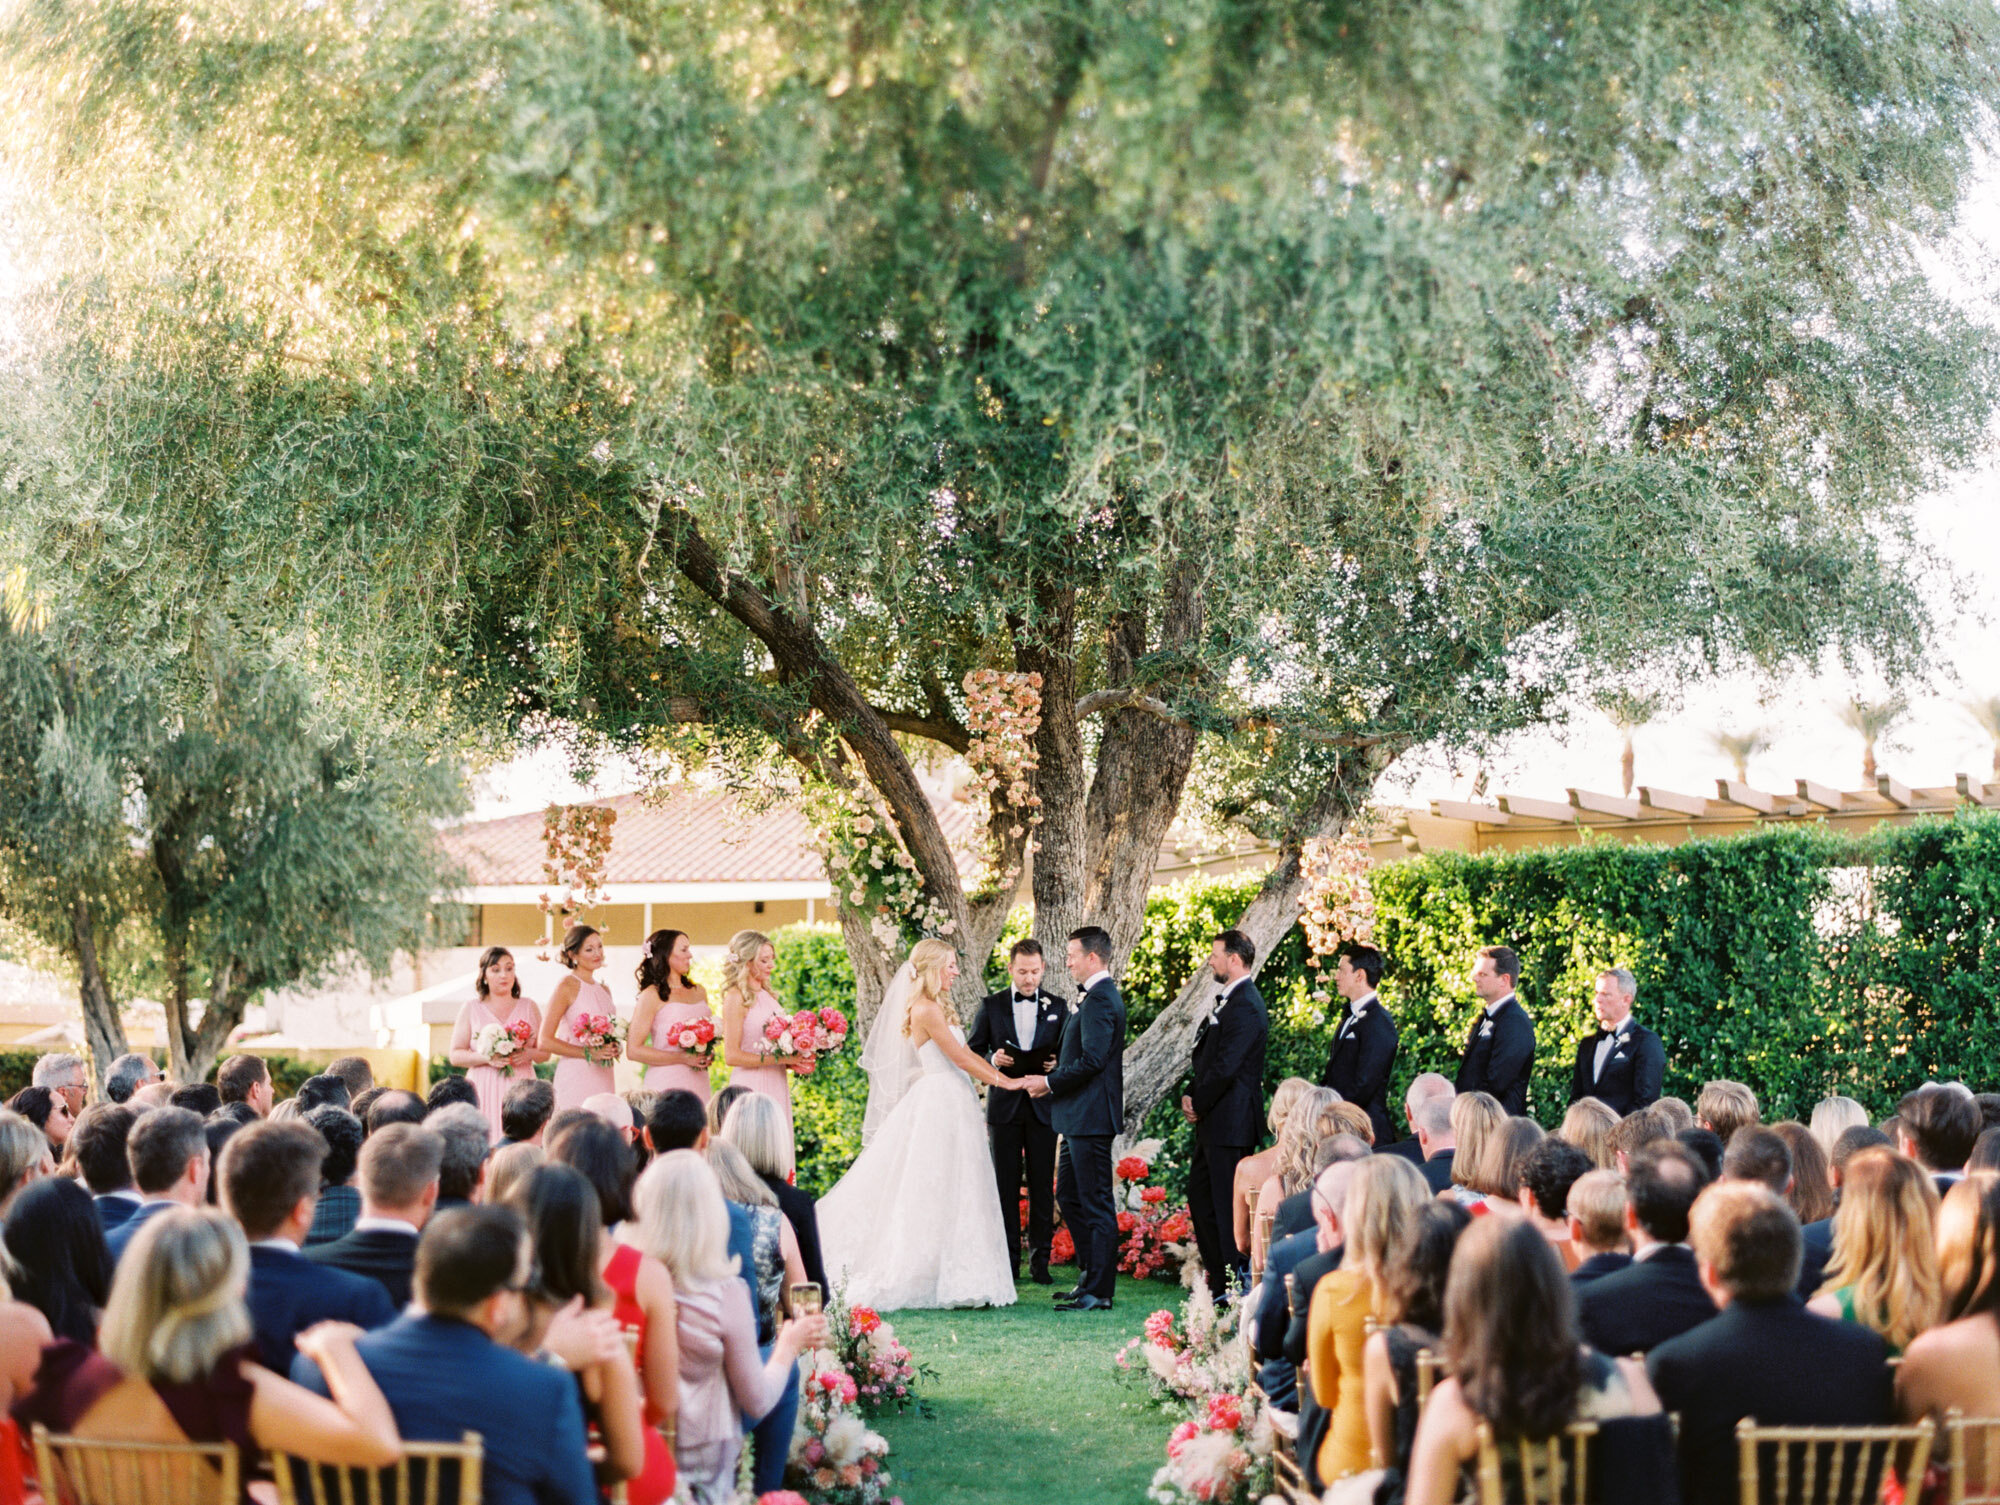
1338,906
576,846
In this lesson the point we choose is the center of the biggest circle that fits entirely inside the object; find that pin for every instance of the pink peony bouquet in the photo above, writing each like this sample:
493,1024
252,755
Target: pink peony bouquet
598,1034
500,1043
806,1035
696,1037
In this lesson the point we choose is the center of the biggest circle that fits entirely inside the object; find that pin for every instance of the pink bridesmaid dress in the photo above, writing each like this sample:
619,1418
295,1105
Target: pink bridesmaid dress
772,1081
491,1082
577,1080
684,1078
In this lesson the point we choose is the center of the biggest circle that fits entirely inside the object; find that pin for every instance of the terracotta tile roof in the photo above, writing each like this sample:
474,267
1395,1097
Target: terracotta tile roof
690,836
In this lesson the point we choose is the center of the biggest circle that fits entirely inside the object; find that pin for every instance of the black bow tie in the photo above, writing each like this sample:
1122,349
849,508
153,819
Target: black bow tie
1025,998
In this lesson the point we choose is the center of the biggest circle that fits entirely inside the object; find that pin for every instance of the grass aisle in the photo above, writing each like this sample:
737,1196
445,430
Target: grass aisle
1028,1406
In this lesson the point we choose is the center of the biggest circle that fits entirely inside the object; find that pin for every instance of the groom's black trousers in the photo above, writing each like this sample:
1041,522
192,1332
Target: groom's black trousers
1083,1191
1027,1139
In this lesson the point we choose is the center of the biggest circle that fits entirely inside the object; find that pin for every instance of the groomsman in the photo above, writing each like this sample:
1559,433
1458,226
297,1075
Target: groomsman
1364,1049
1020,1028
1500,1052
1624,1063
1225,1103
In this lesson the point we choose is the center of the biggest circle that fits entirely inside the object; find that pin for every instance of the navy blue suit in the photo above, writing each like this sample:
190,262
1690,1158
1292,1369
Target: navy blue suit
444,1378
1088,1086
289,1293
119,1239
113,1210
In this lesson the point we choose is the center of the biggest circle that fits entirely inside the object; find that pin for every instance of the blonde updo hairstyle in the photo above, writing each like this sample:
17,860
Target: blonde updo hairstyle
927,959
743,949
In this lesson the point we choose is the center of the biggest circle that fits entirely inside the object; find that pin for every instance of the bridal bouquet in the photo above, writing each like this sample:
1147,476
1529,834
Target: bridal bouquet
598,1034
807,1035
696,1038
500,1043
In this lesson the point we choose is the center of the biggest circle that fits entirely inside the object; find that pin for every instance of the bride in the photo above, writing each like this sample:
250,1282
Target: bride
915,1222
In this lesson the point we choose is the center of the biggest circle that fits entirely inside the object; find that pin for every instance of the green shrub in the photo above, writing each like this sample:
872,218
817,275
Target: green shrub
827,1107
17,1070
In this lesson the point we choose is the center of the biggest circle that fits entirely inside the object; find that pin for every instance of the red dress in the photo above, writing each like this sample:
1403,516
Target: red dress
655,1485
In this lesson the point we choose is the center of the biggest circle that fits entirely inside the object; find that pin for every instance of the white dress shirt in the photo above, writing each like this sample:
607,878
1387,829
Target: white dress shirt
1608,1044
387,1225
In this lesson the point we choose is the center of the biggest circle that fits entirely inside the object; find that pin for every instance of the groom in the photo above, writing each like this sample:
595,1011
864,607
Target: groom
1088,1086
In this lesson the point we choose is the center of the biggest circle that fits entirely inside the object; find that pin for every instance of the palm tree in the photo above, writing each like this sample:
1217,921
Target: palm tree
1871,720
1985,713
1628,710
1741,747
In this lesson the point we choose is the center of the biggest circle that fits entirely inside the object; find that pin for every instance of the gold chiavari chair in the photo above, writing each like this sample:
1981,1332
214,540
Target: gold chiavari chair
1830,1465
92,1471
1553,1470
423,1476
1972,1453
1428,1364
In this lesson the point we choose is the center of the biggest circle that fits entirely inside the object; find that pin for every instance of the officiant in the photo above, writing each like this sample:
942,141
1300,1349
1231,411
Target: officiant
1020,1029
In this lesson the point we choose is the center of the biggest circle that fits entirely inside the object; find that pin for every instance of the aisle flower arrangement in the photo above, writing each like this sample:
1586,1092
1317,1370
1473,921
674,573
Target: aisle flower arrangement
1221,1449
884,1373
837,1459
1155,1241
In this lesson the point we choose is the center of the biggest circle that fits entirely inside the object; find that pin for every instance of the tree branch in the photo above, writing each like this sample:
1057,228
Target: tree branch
1097,702
947,732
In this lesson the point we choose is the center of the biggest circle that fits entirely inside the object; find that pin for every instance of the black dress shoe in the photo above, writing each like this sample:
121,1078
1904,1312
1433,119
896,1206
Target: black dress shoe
1039,1274
1070,1295
1084,1304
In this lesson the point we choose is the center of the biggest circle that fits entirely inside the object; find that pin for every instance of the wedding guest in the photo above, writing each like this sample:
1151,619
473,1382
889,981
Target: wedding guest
1329,1204
1938,1127
270,1180
525,1111
1596,1210
60,1265
1310,1121
668,999
240,1114
1816,1239
98,1143
1832,1115
446,1369
47,1111
580,1071
1956,1366
399,1190
324,1091
1515,1363
157,1093
67,1076
1411,1313
1811,1195
1764,1355
1224,1092
642,1293
1475,1118
1884,1271
496,1002
506,1166
1660,1295
1338,1121
680,1122
381,1106
169,1157
775,1256
285,1110
1437,1141
1497,1175
1756,1154
757,1128
615,1111
447,1091
462,1127
1985,1156
356,1075
1548,1172
1989,1110
1725,1107
127,1074
1675,1114
1707,1148
339,1202
1384,1192
720,1104
176,1362
1022,1022
24,1333
197,1097
1634,1132
560,1210
1423,1087
1364,1047
747,1006
1622,1064
218,1132
247,1080
682,1223
1588,1125
1268,1315
1500,1052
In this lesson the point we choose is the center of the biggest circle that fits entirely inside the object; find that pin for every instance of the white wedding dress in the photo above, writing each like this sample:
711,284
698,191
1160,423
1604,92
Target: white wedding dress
915,1222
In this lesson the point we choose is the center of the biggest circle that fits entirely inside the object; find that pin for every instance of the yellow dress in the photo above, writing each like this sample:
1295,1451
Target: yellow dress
1336,1329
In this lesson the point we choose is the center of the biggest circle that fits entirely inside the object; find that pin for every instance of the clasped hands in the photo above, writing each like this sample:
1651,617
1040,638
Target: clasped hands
1034,1086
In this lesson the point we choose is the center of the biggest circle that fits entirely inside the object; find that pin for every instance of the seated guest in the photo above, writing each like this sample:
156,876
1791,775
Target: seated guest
447,1090
67,1076
1551,1169
393,1106
525,1110
1660,1295
1412,1318
176,1362
614,1110
1884,1272
24,1333
723,1377
246,1080
446,1370
240,1114
322,1091
1985,1156
60,1265
270,1180
1811,1195
200,1098
1514,1362
680,1121
154,1094
1956,1367
1725,1107
1271,1314
1252,1171
1588,1125
1383,1194
1707,1149
1938,1127
1475,1118
356,1075
127,1074
1756,1154
1329,1199
462,1127
48,1111
1496,1175
719,1106
757,1127
399,1187
775,1259
98,1142
1311,1121
1989,1110
218,1132
1634,1132
363,1104
1675,1114
24,1157
1436,1141
1596,1214
169,1156
1764,1356
1831,1116
339,1198
504,1169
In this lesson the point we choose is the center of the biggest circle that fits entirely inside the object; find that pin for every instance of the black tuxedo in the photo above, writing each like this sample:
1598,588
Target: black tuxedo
1643,1305
1088,1087
1774,1361
1500,1056
1633,1073
1358,1065
1228,1095
1815,1253
383,1255
1597,1266
1018,1127
1437,1170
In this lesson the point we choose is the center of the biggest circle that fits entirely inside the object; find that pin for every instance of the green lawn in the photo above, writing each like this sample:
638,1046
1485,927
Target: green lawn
1028,1404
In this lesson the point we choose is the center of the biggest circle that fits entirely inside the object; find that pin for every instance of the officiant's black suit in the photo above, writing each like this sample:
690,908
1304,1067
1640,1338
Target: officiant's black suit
1021,1129
1228,1095
1088,1091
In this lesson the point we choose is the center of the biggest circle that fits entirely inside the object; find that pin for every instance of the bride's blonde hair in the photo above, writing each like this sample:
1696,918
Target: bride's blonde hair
927,961
743,949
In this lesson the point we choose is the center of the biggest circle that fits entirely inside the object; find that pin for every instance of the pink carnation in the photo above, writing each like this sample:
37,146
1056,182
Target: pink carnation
783,1497
1180,1437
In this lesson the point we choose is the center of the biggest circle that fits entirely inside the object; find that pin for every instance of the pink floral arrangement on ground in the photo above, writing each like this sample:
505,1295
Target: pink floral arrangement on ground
1219,1456
836,1458
882,1367
696,1037
807,1035
1221,1450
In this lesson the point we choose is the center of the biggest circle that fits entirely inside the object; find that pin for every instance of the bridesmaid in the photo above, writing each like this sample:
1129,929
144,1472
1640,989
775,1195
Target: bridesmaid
579,1073
747,1003
496,976
667,1000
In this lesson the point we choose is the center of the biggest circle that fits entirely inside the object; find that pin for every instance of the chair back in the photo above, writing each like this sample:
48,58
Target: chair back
429,1473
1553,1470
1972,1451
1428,1365
93,1471
1260,1242
1830,1465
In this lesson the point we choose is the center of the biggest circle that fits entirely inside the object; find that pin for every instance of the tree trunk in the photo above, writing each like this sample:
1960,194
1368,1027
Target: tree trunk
872,969
1626,769
103,1031
1048,648
176,1009
224,1011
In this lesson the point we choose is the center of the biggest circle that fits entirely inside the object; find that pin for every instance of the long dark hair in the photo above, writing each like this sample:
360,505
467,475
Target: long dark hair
61,1265
600,1154
560,1208
1968,1248
653,965
1419,1265
573,940
486,959
1510,1332
35,1104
